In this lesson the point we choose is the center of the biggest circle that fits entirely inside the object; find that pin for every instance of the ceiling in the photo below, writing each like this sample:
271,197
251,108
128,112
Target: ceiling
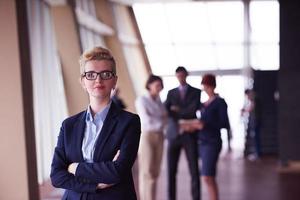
130,2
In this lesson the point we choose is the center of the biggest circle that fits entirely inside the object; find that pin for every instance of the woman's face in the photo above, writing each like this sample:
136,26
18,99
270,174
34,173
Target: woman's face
155,87
99,88
208,89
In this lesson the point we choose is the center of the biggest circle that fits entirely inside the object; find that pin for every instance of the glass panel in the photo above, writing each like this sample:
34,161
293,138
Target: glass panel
229,56
152,22
264,18
265,57
231,88
200,36
162,59
170,82
188,22
196,57
225,21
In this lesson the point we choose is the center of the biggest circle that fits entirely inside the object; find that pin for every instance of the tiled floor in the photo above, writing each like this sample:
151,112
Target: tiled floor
238,179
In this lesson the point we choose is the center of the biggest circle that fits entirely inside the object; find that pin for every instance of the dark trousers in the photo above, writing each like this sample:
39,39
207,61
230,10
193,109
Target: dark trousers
188,142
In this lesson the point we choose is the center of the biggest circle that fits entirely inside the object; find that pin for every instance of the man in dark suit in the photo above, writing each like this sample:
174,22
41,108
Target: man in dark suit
96,148
182,103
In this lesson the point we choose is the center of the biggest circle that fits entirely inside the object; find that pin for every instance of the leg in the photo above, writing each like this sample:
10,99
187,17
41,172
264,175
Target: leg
212,187
191,151
158,146
141,165
149,168
229,136
209,155
173,152
154,167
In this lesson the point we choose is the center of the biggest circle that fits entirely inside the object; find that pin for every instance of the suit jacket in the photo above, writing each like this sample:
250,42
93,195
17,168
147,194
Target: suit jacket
187,108
121,131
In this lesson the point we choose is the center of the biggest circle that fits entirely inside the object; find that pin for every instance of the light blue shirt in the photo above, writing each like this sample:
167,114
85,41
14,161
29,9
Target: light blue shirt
92,130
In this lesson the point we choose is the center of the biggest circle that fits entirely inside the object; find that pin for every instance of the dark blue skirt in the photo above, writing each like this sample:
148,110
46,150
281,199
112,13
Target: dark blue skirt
209,154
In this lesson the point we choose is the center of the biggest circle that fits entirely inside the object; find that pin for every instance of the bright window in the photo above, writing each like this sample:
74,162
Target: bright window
198,35
264,35
209,35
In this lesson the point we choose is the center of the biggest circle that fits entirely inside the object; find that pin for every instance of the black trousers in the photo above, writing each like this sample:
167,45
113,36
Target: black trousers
188,142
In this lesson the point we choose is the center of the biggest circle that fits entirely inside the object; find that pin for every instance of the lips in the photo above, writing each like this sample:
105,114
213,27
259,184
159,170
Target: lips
99,87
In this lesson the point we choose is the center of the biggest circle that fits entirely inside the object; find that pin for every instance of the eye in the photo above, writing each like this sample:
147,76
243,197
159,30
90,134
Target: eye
90,75
106,75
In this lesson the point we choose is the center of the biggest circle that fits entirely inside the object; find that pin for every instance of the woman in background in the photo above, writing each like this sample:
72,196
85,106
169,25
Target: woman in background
153,119
213,118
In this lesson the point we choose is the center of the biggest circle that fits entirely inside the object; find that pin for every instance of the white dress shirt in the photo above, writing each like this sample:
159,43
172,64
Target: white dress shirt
152,113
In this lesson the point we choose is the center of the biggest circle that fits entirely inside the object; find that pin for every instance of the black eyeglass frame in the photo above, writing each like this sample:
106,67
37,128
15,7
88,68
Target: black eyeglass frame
101,74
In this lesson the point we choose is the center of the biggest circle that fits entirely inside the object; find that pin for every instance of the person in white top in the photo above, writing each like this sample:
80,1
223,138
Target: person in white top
153,120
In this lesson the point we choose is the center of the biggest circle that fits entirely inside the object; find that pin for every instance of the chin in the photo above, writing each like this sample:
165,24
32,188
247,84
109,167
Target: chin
102,96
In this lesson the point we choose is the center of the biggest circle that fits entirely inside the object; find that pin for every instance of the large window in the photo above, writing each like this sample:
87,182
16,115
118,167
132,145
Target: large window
264,35
209,35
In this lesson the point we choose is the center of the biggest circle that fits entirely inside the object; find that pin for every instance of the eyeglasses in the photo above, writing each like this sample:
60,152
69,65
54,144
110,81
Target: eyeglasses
104,75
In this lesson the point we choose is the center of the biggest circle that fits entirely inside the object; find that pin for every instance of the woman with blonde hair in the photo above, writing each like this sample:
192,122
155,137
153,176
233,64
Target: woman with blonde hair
97,147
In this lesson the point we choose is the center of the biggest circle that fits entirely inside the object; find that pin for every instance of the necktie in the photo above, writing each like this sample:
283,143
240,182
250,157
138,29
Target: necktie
182,93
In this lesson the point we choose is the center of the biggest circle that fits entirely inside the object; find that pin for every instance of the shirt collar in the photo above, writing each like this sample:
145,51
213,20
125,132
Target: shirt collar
183,87
101,115
150,97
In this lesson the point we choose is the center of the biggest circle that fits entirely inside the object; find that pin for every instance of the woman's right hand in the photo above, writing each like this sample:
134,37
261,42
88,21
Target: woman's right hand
104,185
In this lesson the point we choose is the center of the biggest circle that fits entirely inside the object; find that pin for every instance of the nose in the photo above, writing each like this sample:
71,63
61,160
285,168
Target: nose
98,79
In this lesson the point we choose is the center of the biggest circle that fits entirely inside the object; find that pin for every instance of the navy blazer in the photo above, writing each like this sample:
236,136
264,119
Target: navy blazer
187,108
121,131
215,117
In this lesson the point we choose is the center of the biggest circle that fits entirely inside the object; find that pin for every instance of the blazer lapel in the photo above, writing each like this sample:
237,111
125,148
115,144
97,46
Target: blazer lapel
187,93
79,132
106,130
177,96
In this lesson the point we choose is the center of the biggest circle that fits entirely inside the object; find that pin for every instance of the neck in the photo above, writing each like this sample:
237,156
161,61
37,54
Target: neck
98,104
153,95
211,94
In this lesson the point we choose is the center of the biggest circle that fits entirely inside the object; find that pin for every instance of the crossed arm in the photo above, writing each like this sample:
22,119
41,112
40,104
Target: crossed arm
73,166
89,177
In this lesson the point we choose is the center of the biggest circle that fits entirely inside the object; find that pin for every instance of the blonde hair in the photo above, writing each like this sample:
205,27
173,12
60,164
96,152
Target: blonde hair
97,53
